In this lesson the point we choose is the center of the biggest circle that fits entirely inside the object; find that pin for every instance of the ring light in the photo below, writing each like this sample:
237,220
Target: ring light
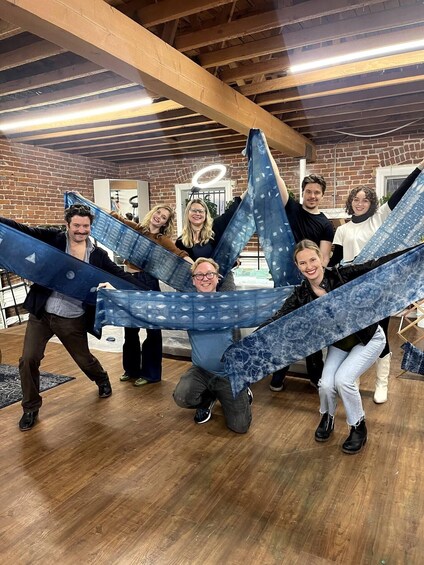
222,169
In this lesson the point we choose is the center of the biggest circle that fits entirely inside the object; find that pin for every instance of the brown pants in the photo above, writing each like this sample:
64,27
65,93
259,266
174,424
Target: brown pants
73,334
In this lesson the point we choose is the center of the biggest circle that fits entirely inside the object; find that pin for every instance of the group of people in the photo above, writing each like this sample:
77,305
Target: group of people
317,255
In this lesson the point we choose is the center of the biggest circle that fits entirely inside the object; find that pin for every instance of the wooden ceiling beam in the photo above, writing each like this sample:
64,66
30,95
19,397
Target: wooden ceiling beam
29,54
71,72
112,130
352,84
336,72
128,130
167,10
361,116
8,30
383,124
213,131
159,142
183,147
103,35
377,107
264,21
109,116
282,63
94,87
175,153
370,23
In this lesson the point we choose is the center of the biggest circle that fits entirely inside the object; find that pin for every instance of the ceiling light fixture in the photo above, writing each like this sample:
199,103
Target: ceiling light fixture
68,116
357,55
222,169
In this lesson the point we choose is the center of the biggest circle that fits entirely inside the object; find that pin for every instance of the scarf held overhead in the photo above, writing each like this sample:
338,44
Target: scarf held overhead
340,313
135,247
43,264
188,311
262,211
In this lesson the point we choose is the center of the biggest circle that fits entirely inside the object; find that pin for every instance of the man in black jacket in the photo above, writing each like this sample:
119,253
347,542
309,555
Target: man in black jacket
53,313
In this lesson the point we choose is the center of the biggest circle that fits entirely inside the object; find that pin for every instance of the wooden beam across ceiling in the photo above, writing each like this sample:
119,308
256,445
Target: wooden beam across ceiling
283,62
264,21
334,73
168,10
63,122
369,23
106,37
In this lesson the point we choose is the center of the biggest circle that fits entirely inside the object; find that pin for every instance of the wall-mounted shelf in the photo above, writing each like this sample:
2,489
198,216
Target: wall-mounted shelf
13,291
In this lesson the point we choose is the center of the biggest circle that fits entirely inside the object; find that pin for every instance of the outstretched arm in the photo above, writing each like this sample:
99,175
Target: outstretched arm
280,182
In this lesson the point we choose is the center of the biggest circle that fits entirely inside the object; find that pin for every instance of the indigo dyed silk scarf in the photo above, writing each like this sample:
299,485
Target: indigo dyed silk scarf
343,311
403,228
41,263
261,209
203,311
135,247
413,359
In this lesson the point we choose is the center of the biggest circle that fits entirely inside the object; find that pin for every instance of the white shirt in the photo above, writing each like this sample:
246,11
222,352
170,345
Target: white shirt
353,237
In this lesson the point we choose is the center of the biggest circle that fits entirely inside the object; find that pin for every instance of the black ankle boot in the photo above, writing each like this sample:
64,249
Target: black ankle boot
326,426
356,440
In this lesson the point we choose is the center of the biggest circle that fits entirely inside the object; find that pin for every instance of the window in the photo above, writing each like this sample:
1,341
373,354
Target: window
389,178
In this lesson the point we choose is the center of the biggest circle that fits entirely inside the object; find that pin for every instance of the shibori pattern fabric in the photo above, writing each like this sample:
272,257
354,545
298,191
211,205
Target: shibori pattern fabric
345,310
261,210
188,311
413,359
43,264
136,248
403,228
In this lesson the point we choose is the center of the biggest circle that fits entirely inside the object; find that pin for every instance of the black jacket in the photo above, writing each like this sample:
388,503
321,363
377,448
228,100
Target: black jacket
333,278
37,297
218,228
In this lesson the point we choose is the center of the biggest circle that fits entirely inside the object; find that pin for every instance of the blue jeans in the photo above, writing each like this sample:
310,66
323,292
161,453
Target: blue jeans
198,388
341,369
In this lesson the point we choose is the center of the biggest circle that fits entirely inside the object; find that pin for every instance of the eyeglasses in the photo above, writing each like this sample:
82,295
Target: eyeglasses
200,276
197,211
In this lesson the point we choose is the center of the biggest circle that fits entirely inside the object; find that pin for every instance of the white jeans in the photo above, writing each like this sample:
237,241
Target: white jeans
341,369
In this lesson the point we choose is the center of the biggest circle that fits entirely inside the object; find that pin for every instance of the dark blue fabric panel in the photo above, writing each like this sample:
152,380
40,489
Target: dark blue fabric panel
188,311
136,248
413,359
41,263
343,311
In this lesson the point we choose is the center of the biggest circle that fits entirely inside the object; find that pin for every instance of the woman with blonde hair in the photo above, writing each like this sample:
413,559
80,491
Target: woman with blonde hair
143,364
201,235
348,358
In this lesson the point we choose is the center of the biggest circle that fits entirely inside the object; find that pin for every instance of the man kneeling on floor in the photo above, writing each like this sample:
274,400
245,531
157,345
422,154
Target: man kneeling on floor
205,382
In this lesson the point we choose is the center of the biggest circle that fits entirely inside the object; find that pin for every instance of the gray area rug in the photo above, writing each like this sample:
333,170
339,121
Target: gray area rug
10,384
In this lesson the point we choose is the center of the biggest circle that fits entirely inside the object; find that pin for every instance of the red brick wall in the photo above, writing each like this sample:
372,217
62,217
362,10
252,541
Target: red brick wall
352,163
33,180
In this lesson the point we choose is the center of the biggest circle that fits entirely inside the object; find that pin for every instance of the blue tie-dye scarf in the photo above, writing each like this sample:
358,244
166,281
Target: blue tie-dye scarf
41,263
343,311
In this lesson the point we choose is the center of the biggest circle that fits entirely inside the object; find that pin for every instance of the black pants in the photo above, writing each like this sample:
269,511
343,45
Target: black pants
384,324
72,333
314,366
143,360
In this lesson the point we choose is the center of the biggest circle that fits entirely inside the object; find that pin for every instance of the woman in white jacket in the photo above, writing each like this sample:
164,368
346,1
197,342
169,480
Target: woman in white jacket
350,238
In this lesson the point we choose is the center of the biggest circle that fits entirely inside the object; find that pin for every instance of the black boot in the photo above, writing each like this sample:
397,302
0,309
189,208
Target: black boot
356,440
326,426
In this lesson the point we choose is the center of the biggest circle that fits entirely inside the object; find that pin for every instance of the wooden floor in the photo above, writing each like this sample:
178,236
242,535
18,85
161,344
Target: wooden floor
132,480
